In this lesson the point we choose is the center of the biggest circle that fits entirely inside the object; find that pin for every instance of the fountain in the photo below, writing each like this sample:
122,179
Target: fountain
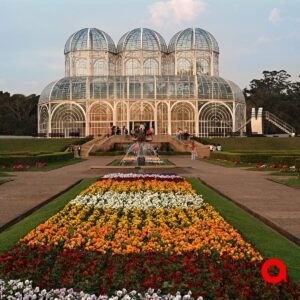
141,153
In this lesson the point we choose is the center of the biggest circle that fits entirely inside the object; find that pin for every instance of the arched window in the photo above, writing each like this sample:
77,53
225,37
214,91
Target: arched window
81,68
133,67
68,120
162,118
151,67
101,118
183,117
44,119
184,67
215,120
100,68
202,66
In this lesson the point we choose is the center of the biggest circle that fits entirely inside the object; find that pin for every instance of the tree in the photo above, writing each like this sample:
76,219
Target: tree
18,114
277,94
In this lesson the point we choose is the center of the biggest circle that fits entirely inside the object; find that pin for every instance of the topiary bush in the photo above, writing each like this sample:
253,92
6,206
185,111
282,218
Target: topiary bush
297,164
34,158
284,160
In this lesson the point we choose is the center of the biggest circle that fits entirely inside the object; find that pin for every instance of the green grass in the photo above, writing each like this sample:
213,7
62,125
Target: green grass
49,167
2,181
5,175
257,144
292,182
270,243
10,236
286,173
35,145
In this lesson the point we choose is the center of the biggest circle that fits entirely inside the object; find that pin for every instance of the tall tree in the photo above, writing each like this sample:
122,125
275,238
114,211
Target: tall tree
277,94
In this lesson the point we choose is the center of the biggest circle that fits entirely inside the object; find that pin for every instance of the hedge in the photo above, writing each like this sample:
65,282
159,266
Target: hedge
107,153
284,160
297,164
267,157
173,153
33,159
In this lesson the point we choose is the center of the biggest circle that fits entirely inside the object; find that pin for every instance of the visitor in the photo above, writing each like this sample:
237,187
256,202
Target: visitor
155,150
149,132
219,147
132,132
126,131
142,128
186,134
79,150
179,134
211,148
193,150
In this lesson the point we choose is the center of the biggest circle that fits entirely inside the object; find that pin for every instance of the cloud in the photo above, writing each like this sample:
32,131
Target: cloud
175,11
274,16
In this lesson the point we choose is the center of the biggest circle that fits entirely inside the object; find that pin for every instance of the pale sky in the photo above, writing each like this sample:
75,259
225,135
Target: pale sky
253,35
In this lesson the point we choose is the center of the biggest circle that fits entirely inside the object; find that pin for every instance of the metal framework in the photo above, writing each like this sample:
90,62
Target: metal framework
142,80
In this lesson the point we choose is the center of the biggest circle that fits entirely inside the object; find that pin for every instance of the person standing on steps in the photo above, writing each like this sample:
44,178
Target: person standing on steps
193,151
79,150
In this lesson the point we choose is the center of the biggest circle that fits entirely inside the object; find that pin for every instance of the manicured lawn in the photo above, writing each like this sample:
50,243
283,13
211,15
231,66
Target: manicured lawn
2,181
293,182
49,167
11,236
5,175
35,145
257,144
270,243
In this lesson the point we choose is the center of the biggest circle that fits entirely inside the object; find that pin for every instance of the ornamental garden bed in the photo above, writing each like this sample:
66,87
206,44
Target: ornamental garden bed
137,232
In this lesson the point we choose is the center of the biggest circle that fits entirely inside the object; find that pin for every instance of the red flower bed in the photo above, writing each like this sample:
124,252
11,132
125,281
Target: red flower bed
206,275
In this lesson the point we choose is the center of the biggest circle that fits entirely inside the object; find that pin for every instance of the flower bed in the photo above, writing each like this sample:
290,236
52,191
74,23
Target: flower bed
139,231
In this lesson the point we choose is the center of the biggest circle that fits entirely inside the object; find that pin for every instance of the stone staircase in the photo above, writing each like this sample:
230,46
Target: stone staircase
107,143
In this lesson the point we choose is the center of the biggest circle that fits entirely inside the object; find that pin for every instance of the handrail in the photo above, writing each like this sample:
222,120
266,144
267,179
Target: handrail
279,123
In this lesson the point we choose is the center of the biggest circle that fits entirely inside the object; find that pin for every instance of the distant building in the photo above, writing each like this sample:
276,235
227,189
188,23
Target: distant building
142,80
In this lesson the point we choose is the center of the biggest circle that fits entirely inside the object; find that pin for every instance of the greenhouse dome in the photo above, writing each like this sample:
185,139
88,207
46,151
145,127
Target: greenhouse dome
193,39
142,39
90,39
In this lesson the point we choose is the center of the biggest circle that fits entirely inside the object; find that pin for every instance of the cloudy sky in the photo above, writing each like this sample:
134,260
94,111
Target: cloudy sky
253,35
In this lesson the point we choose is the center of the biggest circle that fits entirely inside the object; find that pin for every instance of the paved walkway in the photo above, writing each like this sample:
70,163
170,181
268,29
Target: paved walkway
275,203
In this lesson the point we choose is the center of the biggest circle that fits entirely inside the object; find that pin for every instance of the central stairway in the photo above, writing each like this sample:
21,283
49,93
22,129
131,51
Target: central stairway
107,143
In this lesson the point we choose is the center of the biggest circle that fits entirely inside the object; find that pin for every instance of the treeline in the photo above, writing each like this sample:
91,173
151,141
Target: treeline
276,94
18,114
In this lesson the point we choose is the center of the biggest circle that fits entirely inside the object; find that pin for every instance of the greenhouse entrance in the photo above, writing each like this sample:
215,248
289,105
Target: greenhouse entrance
136,125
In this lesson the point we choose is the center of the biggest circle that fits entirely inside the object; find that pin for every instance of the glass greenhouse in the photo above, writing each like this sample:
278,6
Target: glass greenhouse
142,80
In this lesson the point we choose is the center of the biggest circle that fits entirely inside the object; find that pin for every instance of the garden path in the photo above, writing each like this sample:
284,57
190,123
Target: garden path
276,204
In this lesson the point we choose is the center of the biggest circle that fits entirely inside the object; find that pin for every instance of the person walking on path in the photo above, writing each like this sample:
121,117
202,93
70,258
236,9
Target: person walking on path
79,150
193,151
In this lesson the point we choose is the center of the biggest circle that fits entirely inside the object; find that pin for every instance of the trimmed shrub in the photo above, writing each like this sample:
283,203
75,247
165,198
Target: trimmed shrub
284,160
33,159
297,164
107,153
256,157
174,153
